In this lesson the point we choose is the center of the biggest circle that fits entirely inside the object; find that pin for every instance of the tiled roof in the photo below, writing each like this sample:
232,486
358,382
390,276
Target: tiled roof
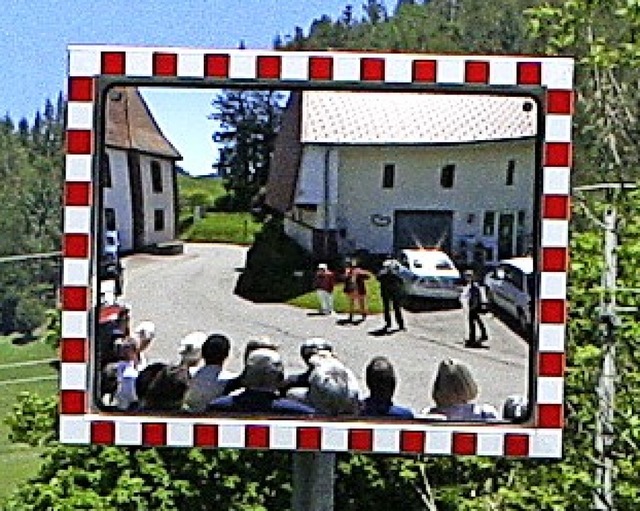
130,124
414,118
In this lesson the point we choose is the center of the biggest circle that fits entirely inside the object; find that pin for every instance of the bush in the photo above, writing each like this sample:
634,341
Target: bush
33,419
29,314
272,263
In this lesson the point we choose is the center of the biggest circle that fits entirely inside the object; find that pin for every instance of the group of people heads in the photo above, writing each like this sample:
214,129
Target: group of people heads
327,385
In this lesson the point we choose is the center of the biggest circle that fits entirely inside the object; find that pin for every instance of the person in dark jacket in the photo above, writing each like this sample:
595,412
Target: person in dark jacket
262,378
381,381
391,293
471,299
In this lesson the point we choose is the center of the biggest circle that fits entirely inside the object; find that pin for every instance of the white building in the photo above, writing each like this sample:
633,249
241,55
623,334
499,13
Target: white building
139,181
379,171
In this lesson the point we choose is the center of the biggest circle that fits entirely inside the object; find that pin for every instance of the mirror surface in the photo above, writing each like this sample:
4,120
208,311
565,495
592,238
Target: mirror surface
266,186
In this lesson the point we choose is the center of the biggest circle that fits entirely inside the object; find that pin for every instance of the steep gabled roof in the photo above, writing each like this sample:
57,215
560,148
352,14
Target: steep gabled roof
426,118
130,125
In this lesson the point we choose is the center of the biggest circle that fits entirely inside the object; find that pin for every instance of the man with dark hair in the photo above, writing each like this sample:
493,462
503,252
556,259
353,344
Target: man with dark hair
391,293
161,387
210,380
380,378
471,299
308,348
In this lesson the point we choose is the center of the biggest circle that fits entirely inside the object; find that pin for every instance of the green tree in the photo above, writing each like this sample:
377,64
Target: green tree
249,121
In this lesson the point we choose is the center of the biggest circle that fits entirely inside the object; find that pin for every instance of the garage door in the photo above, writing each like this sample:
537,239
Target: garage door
423,229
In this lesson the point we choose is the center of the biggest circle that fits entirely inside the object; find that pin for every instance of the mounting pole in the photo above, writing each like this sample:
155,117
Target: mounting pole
606,384
313,481
609,321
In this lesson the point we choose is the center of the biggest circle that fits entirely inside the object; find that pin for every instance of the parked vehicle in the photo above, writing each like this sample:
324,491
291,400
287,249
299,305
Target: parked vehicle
110,265
429,273
510,288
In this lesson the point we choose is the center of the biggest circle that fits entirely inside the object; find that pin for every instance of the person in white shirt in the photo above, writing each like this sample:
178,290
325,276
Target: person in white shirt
210,380
454,390
125,397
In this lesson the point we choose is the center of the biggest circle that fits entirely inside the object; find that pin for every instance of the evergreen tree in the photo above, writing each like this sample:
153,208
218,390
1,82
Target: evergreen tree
249,121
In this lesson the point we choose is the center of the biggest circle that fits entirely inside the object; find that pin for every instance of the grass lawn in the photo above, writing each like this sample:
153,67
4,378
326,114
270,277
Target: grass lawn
340,303
18,462
238,228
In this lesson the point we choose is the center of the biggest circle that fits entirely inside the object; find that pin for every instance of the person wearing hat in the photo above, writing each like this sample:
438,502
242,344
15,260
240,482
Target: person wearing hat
391,293
262,377
324,282
471,299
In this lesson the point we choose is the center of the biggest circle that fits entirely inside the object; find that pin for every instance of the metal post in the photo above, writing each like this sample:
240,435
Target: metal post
606,385
313,481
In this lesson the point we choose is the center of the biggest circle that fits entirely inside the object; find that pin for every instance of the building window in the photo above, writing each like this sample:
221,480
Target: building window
158,220
511,169
489,224
110,219
447,176
388,175
156,177
105,171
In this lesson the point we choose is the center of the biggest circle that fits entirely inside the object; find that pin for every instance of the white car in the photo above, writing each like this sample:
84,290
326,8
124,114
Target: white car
510,288
429,273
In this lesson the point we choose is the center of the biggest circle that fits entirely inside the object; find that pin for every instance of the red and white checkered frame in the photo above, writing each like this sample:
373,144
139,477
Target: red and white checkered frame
79,424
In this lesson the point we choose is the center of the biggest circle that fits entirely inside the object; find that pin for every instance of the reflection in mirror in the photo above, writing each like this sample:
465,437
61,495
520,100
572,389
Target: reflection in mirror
444,183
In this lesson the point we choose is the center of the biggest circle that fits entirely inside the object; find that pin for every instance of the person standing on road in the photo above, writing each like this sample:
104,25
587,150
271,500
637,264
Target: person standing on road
324,282
355,289
471,299
391,291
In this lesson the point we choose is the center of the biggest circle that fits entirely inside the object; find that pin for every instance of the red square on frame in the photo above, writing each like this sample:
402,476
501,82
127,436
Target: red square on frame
73,350
216,66
75,245
516,444
529,73
372,69
73,402
80,88
320,68
309,439
560,102
257,437
476,72
424,71
269,67
361,440
412,441
555,259
79,141
103,432
165,64
205,435
154,434
113,63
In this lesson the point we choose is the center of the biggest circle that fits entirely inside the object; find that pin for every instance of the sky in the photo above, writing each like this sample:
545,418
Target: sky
34,35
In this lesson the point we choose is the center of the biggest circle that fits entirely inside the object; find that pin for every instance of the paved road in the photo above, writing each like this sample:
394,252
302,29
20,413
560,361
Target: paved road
194,291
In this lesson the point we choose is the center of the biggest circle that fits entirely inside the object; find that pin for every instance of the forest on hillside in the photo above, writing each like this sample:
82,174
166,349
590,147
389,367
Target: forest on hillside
603,37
